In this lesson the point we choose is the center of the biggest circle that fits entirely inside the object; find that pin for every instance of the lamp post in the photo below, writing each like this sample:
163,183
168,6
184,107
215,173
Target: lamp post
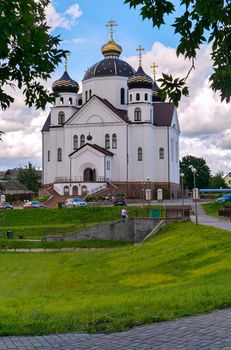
195,193
182,191
148,191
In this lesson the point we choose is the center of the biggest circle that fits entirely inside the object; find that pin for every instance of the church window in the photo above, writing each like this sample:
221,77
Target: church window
108,165
86,96
137,97
61,100
82,140
137,114
75,142
89,93
130,97
61,118
48,155
176,150
107,141
66,191
114,141
70,101
75,190
150,115
80,102
140,154
161,153
146,97
122,96
172,150
59,154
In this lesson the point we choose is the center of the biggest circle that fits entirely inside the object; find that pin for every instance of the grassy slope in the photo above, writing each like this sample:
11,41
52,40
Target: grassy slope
36,223
185,270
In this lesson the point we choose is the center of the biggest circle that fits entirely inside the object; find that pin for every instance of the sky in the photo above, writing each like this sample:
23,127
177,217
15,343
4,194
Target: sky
205,122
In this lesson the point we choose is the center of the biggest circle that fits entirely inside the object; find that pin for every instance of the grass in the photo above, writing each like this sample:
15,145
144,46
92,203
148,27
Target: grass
185,270
213,207
23,244
37,223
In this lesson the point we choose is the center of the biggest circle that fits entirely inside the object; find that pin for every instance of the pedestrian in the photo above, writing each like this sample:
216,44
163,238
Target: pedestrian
124,214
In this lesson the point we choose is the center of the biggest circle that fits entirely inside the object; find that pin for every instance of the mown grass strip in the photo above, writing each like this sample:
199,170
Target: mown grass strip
184,270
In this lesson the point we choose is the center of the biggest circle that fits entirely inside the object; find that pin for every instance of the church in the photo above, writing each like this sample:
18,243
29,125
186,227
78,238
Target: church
115,134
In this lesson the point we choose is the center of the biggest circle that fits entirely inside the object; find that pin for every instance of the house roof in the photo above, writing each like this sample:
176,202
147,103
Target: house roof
163,113
96,147
12,185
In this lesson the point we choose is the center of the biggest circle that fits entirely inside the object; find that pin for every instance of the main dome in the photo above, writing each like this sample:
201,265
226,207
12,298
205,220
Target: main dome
111,65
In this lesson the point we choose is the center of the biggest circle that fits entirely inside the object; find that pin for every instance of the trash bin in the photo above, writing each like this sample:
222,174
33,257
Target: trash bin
154,213
9,234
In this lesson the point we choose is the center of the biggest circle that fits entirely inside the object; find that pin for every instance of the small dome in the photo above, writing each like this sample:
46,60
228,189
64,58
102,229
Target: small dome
65,84
140,80
155,88
111,49
89,137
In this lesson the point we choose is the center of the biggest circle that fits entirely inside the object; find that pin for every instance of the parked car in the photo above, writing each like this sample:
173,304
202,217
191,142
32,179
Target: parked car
75,202
6,205
120,200
224,198
33,204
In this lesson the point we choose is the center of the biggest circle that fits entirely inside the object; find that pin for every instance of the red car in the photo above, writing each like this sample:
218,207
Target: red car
33,204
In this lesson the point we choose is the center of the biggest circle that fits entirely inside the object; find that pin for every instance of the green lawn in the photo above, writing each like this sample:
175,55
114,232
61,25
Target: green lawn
37,223
213,207
185,270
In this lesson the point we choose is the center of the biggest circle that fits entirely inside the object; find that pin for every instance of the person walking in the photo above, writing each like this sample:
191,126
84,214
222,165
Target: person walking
124,214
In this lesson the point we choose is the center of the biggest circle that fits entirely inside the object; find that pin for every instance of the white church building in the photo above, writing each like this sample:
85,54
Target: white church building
116,133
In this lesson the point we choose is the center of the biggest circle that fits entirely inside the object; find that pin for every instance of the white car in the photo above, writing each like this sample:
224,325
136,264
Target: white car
75,202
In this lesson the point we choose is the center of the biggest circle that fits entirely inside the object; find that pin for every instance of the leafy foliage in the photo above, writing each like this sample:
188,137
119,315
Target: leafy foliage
201,22
28,53
217,181
202,175
29,177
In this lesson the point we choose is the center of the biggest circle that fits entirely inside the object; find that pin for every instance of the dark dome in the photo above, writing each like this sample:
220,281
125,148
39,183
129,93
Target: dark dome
65,84
155,88
140,80
112,66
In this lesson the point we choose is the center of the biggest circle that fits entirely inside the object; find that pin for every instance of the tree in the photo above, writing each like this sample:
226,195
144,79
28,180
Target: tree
28,53
29,177
200,22
202,171
217,181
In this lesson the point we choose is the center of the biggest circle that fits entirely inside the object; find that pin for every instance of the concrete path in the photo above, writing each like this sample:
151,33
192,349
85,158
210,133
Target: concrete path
210,220
207,332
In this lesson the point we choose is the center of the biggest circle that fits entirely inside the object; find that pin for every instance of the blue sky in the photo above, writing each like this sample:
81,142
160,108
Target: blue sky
205,122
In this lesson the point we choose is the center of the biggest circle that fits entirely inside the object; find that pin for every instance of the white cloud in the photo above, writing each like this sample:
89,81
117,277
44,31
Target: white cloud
64,20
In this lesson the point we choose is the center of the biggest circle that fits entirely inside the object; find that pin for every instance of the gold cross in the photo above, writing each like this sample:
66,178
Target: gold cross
66,61
111,24
140,49
154,66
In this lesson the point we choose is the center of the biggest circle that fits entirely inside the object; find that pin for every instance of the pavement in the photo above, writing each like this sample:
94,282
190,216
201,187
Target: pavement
210,331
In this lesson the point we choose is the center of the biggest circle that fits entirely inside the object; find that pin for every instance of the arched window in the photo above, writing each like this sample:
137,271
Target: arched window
61,118
137,114
137,97
150,115
130,97
107,141
59,154
75,190
139,154
61,100
84,190
48,155
89,93
75,142
114,141
70,101
82,140
122,96
86,96
161,153
146,97
80,102
66,191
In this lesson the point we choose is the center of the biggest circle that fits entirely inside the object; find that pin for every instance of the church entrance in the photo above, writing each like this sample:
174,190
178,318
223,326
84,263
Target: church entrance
89,175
